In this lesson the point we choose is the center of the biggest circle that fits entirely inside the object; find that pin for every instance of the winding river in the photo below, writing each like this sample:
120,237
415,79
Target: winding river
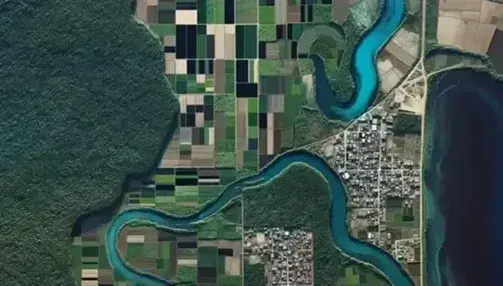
366,82
363,65
348,245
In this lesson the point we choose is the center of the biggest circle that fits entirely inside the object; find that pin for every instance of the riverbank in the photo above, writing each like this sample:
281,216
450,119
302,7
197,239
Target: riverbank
300,199
363,66
366,80
351,247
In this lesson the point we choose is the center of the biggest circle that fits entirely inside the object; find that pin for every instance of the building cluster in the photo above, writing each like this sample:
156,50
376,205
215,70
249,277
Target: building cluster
286,254
407,250
376,167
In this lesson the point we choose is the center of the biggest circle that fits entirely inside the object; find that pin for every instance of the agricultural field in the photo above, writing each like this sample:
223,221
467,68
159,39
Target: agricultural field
244,83
210,255
242,76
117,108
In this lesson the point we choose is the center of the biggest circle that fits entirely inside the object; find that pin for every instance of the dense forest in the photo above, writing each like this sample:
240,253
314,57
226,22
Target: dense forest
84,104
300,198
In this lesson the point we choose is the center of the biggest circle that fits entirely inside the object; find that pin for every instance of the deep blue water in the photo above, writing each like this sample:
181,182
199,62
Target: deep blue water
363,66
354,248
464,178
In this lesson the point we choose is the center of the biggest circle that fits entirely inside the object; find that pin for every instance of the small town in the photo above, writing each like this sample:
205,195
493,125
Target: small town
287,254
380,170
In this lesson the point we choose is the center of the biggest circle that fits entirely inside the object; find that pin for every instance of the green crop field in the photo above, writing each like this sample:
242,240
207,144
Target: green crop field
108,106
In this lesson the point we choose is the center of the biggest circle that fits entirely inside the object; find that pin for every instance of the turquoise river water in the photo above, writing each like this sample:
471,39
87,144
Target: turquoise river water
366,81
352,247
363,66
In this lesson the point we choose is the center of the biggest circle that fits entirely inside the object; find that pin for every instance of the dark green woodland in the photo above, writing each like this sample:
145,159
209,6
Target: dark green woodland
300,198
84,103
